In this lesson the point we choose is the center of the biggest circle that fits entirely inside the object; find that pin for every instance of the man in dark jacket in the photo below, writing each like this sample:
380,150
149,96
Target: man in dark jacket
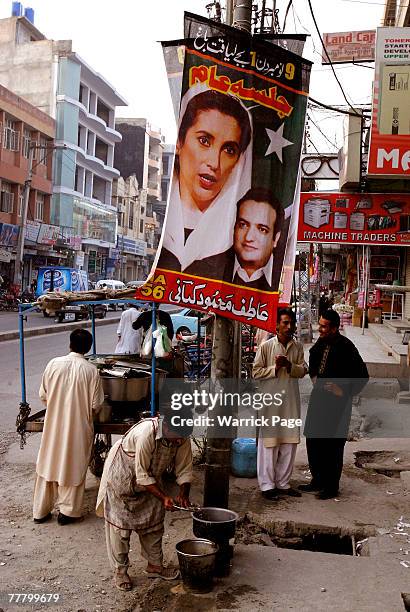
338,373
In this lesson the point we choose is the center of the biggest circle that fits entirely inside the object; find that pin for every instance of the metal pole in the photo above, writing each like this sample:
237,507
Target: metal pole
242,14
93,329
153,358
226,358
198,345
18,266
22,357
229,12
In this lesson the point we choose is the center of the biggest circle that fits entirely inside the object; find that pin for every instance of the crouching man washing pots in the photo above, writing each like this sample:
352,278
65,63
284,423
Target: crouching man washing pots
131,495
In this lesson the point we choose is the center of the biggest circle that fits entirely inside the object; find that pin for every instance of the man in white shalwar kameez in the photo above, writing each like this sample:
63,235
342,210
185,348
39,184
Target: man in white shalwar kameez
72,391
280,358
129,339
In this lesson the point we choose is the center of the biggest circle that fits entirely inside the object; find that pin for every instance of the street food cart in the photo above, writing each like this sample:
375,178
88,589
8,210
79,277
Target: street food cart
131,383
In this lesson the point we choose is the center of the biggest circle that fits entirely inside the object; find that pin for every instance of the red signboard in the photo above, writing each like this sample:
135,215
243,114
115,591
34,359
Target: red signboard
389,151
355,218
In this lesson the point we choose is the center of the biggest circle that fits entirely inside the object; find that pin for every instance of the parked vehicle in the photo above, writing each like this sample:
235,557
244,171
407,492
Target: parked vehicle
80,312
110,283
135,283
186,322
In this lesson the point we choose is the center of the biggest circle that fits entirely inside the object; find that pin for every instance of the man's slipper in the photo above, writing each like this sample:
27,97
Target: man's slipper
122,581
167,573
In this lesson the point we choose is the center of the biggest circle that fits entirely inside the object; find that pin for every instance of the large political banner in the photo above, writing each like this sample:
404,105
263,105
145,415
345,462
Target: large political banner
241,121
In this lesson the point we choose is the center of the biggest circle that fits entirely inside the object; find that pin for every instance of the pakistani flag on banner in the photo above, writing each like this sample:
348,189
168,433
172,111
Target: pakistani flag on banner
241,120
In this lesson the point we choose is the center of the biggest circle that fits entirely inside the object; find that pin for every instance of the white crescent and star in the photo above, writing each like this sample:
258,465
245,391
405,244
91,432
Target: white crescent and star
277,142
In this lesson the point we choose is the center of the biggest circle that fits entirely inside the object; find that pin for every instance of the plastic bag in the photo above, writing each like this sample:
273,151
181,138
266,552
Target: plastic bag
163,343
147,344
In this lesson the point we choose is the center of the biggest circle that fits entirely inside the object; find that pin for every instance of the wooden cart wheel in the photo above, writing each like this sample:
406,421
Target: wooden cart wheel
101,447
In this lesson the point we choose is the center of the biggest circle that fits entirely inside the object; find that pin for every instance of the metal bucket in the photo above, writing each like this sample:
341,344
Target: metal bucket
216,524
197,564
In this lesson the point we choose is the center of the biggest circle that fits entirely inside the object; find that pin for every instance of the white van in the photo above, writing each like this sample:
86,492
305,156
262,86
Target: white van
110,283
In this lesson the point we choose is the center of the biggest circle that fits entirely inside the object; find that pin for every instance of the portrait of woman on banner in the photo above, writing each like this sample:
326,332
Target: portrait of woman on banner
212,170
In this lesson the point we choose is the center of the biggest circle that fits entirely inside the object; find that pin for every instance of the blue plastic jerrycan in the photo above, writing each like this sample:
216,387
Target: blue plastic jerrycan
243,457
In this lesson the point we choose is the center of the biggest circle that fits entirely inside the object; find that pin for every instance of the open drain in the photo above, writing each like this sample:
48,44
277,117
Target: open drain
388,463
303,536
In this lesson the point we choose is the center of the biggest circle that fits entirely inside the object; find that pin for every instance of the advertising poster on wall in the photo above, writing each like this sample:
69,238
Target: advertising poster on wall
240,131
9,234
389,151
355,218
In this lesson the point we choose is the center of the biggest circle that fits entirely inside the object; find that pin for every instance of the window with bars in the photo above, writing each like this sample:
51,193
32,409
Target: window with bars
26,143
21,204
39,212
43,151
6,198
10,136
131,216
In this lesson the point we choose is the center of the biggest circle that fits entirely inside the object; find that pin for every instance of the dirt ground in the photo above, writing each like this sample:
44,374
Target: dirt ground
72,561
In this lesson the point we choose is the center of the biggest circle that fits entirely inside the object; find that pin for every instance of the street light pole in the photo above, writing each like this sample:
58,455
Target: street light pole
18,266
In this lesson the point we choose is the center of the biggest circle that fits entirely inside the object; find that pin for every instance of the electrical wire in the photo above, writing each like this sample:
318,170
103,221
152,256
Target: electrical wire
333,144
286,14
327,55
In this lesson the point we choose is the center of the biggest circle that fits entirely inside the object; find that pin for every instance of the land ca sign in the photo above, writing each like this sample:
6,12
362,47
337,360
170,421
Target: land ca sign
354,218
344,47
389,150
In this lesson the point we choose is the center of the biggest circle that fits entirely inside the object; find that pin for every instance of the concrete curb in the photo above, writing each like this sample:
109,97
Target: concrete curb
55,329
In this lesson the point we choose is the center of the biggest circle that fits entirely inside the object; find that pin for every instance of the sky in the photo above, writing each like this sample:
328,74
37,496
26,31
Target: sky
119,40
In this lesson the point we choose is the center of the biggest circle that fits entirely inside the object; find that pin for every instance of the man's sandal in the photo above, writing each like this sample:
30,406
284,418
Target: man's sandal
166,573
122,581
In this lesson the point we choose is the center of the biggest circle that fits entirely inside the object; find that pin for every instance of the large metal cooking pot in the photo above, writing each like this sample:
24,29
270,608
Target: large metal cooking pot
216,524
126,389
160,374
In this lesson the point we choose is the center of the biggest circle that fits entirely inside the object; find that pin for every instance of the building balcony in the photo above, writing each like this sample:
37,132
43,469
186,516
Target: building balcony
154,163
154,192
151,221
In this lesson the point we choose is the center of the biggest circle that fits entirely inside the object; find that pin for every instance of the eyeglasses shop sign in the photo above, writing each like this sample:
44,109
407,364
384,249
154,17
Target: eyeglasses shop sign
355,218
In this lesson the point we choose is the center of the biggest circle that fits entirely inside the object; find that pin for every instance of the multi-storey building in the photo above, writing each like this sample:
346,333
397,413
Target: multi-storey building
161,206
23,126
54,78
129,260
140,153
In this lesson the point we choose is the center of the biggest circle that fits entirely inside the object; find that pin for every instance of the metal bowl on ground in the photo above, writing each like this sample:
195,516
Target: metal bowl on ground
126,389
216,524
197,563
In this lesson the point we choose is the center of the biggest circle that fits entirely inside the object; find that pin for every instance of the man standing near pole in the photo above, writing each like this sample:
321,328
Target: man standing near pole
72,391
280,358
338,373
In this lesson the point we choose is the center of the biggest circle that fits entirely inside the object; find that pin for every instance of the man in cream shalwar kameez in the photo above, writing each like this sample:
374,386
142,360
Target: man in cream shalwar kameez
72,391
280,358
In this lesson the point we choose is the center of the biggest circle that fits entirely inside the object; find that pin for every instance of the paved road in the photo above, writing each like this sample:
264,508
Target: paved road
9,320
39,350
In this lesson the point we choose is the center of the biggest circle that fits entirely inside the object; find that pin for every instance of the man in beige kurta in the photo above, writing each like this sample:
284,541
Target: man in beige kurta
131,495
72,391
280,358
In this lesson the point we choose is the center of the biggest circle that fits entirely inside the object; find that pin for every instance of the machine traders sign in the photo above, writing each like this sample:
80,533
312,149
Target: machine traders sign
358,218
389,152
241,123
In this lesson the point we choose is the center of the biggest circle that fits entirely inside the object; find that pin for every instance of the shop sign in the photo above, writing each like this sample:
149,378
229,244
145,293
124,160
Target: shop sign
355,218
79,258
32,230
344,47
5,255
389,151
8,234
48,234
